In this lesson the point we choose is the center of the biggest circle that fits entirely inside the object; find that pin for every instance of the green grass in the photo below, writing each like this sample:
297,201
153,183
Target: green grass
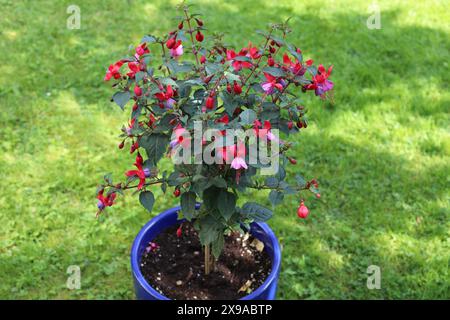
381,152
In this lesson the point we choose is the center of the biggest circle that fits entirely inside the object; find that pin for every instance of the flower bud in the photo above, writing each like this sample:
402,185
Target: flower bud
210,103
170,43
179,232
180,26
237,88
177,192
199,36
302,211
137,91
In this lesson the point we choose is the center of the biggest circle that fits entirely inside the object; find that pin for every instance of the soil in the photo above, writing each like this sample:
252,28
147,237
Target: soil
175,266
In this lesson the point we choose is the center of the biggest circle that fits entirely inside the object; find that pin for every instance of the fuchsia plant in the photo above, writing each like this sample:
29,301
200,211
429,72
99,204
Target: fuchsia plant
201,80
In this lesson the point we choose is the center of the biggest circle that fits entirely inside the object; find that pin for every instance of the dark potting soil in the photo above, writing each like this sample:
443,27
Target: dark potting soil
175,268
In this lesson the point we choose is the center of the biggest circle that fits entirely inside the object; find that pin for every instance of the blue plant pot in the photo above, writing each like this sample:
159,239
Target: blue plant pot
168,218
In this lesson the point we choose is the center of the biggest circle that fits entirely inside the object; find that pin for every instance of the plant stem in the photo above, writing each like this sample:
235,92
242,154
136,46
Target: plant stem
207,259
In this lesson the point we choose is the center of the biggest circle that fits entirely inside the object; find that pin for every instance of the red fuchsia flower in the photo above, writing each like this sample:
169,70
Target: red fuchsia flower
302,211
224,119
177,49
265,132
151,247
179,232
103,201
309,62
238,65
179,135
251,51
199,36
141,50
271,83
134,68
137,91
295,67
141,173
165,98
321,84
171,43
113,71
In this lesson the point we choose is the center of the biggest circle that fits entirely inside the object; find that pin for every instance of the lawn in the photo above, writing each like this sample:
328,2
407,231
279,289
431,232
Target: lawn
381,152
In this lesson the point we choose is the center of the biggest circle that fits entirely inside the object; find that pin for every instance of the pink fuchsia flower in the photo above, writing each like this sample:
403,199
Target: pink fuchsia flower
113,71
140,173
271,83
180,137
237,153
141,50
165,98
103,201
295,67
321,84
266,130
177,49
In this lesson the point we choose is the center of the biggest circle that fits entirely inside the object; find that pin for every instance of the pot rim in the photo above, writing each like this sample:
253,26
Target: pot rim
275,267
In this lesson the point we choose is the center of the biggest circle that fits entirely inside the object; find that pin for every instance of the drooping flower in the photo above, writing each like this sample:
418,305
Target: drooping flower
180,136
295,67
166,97
271,83
177,49
141,50
114,71
235,153
103,201
266,130
140,173
237,64
134,68
320,82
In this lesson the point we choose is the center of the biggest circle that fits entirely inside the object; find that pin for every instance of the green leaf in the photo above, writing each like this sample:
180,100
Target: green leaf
255,211
148,39
155,145
147,199
217,245
301,182
248,116
226,204
271,182
276,72
276,197
219,182
188,204
121,98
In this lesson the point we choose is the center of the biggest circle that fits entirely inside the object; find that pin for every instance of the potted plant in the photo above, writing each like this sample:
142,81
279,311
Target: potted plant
217,113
